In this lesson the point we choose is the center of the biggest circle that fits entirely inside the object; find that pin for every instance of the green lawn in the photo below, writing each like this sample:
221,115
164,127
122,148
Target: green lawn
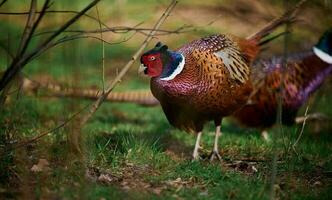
132,152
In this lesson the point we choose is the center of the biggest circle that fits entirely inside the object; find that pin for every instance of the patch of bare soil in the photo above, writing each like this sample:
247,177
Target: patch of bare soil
133,178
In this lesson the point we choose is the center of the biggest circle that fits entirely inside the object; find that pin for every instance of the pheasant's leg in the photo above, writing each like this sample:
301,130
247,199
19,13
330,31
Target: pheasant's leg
215,151
195,153
265,135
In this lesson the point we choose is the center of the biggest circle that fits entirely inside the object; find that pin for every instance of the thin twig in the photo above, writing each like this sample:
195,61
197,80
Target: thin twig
279,108
71,38
17,65
63,28
28,28
53,11
124,29
124,70
302,128
103,51
22,47
32,29
66,39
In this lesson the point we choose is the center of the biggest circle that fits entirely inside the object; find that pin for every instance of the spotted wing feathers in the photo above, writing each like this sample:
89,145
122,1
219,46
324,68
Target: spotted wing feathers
220,52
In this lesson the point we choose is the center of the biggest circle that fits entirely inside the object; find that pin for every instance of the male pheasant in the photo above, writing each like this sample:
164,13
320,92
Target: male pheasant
305,72
204,80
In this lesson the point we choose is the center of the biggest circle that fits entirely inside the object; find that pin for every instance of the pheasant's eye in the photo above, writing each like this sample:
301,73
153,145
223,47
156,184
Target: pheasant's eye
152,58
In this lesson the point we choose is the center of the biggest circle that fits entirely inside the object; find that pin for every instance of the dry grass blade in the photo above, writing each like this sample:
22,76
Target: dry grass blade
302,128
100,100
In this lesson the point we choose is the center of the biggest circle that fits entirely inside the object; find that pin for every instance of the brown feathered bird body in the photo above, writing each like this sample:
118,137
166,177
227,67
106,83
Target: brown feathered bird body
304,73
206,79
206,89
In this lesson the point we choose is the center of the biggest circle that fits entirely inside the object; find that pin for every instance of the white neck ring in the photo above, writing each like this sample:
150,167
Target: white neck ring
322,55
176,72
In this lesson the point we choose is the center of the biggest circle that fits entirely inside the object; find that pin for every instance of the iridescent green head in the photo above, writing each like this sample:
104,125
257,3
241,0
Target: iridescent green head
323,49
325,42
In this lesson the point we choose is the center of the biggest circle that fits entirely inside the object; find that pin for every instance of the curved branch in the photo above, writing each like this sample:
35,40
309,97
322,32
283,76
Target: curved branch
124,29
54,12
30,28
75,37
16,66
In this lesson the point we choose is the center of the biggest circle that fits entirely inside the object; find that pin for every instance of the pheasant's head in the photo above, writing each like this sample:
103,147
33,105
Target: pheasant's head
161,62
152,61
323,48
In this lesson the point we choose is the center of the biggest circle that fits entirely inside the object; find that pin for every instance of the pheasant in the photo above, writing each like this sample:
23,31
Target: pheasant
204,80
305,72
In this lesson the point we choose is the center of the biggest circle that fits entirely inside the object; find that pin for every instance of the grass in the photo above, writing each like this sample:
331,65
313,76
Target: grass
142,157
131,152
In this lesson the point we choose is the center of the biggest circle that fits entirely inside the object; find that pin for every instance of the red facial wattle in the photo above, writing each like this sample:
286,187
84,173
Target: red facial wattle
153,64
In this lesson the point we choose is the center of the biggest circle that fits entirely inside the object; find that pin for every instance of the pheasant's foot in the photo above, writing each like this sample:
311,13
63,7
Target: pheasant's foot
196,157
215,154
266,136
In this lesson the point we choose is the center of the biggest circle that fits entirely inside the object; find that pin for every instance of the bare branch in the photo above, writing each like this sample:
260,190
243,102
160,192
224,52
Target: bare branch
63,28
27,29
17,65
75,37
125,29
103,51
54,12
28,35
124,70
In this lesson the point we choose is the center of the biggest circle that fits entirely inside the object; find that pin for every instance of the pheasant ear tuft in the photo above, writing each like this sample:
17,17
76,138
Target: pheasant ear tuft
164,48
161,47
159,44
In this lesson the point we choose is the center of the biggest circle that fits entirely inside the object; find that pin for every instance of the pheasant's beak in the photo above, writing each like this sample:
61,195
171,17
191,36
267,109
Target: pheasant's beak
142,69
